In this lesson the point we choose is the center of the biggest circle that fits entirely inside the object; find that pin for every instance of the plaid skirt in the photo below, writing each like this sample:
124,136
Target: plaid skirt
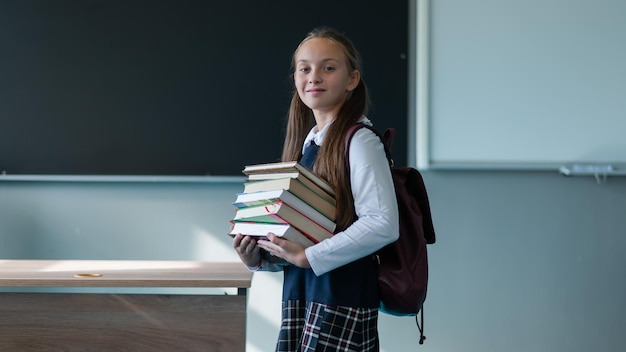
310,326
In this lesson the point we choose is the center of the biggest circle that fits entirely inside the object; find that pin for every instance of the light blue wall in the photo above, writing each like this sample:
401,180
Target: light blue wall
524,261
113,220
527,262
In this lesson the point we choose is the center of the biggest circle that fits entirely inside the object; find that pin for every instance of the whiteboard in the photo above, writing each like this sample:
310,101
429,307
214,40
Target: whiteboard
520,84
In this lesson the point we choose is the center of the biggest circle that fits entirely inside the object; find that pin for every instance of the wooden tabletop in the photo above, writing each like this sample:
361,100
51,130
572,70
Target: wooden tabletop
123,273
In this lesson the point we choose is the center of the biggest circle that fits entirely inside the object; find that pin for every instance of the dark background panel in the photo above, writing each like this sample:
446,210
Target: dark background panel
174,87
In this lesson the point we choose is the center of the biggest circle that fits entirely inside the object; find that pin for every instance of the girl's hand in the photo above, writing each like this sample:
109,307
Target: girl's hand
249,252
289,251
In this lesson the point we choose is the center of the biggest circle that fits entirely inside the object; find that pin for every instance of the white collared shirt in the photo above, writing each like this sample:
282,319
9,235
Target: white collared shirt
375,203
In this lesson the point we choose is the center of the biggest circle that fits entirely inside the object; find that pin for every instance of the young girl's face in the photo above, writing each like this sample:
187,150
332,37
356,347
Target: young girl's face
322,77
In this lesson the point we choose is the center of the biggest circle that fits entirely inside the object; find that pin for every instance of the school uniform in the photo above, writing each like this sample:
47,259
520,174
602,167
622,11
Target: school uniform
333,306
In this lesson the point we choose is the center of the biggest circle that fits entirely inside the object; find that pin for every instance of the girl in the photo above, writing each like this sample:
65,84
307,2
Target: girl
330,299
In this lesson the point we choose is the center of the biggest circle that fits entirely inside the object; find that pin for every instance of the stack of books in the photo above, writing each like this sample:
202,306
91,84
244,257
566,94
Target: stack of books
287,199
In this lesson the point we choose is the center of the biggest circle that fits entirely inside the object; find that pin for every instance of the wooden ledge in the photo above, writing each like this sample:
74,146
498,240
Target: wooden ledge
123,273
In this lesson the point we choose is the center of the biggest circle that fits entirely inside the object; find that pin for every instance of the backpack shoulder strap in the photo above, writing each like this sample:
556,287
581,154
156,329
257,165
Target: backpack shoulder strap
386,138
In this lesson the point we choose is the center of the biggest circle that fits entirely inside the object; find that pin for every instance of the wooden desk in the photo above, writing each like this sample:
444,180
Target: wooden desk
49,321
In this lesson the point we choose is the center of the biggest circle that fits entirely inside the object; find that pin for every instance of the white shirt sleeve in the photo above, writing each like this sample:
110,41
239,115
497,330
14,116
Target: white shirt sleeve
375,203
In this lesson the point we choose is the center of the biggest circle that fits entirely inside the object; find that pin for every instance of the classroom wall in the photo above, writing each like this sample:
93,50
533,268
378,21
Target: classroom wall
524,261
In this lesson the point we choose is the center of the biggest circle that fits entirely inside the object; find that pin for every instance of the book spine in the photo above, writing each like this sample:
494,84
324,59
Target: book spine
301,219
305,225
313,199
317,189
314,178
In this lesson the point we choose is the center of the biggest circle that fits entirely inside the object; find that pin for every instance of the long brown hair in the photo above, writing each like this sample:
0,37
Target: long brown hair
330,164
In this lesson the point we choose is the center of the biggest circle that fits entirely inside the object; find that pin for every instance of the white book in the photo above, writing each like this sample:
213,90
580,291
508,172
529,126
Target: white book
261,230
289,166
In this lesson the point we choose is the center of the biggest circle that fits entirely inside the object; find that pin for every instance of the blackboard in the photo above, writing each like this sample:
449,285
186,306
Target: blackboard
174,87
525,84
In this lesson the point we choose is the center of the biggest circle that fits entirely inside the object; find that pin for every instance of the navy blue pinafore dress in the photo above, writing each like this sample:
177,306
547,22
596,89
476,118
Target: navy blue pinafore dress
336,310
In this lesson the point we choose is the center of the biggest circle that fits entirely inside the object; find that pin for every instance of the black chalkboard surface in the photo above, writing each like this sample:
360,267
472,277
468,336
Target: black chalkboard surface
174,87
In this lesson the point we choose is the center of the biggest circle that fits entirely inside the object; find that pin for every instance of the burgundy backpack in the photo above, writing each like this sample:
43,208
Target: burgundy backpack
403,264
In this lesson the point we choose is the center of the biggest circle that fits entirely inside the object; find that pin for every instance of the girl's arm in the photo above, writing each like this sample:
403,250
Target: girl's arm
375,204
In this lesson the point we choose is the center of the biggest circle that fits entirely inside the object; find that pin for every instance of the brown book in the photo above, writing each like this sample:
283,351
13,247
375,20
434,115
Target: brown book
281,213
296,188
261,230
315,187
289,167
